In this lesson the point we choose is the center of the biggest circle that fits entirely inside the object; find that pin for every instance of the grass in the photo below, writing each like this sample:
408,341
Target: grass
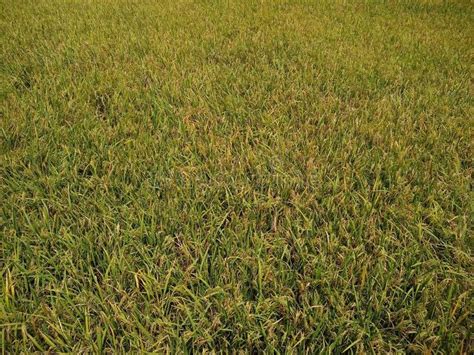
256,176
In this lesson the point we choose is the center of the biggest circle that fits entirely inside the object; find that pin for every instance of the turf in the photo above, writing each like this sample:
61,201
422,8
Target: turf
255,176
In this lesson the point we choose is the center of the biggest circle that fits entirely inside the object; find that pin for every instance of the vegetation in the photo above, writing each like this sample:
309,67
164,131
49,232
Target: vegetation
248,175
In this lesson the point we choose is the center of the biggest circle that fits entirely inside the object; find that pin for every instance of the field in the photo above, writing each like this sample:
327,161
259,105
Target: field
254,176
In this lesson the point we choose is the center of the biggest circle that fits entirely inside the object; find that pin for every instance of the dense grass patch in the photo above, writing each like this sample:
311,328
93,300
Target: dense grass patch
255,175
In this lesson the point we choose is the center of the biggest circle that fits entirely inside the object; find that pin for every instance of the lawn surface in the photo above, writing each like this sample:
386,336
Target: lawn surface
253,175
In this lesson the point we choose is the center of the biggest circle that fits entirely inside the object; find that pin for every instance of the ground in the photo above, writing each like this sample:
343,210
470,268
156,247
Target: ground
263,176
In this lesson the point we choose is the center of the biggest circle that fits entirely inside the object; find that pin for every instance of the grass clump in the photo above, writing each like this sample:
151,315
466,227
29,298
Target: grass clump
255,175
